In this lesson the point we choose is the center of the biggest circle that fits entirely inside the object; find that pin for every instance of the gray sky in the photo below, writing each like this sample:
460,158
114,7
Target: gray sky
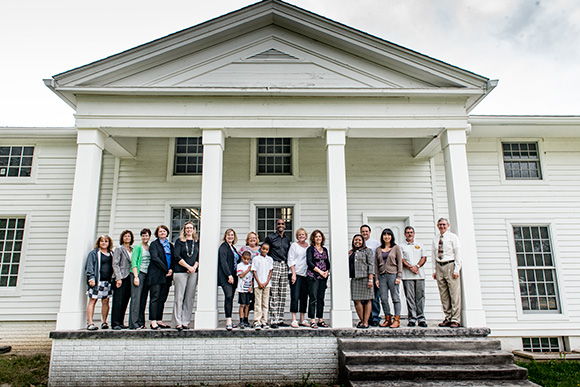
532,47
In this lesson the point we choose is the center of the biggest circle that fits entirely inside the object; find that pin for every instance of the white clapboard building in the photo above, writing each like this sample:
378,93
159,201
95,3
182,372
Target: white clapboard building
274,111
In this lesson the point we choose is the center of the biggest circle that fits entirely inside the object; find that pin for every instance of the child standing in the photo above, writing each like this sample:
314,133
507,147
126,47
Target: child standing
245,288
262,266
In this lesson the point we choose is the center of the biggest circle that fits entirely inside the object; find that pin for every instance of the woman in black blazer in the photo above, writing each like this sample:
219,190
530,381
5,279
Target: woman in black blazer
159,275
227,259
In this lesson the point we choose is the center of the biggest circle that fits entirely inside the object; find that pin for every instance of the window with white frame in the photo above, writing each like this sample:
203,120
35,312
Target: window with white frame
274,156
11,236
188,158
16,161
536,269
266,220
542,344
521,161
180,215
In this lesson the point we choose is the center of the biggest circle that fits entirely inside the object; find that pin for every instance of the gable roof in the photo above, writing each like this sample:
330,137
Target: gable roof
265,48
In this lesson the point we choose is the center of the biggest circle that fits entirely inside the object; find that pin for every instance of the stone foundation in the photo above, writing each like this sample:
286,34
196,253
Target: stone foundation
209,357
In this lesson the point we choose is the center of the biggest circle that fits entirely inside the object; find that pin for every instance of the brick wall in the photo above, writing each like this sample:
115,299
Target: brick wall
142,361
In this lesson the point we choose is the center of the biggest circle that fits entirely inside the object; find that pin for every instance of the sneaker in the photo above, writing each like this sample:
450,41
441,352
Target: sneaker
423,324
242,325
266,326
257,326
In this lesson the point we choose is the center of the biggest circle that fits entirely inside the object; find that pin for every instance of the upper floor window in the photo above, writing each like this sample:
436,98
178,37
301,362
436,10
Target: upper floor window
274,156
180,215
536,269
521,161
11,236
188,156
267,217
16,161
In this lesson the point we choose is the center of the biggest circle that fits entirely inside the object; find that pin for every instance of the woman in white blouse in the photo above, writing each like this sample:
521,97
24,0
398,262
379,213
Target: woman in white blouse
298,280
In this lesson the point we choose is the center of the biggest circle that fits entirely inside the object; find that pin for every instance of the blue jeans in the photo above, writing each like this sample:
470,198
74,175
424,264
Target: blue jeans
387,284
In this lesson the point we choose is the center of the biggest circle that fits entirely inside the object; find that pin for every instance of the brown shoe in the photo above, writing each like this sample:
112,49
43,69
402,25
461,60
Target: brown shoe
387,321
445,323
396,322
454,325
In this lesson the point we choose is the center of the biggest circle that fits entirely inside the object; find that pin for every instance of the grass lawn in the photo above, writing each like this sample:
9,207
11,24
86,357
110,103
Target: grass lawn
24,371
553,373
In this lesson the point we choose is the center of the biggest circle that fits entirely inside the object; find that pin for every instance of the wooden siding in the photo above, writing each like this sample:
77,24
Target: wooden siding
45,201
498,203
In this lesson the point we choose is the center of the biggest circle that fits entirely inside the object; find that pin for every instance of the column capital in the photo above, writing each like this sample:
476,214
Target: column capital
91,137
213,137
335,137
453,136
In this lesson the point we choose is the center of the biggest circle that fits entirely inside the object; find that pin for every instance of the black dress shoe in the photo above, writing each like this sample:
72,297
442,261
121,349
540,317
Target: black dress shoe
117,328
374,323
422,324
274,326
5,349
411,324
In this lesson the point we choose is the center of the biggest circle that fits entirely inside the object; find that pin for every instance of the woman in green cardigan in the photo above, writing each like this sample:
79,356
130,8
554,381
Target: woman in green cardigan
140,259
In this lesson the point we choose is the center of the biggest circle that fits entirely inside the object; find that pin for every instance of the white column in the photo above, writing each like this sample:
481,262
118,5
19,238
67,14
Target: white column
82,228
461,222
206,315
340,313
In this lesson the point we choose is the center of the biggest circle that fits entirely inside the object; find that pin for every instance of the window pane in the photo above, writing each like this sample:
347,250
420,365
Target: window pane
188,158
536,270
274,156
521,161
11,236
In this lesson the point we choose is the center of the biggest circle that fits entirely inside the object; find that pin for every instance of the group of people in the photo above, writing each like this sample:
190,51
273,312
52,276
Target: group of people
261,274
378,267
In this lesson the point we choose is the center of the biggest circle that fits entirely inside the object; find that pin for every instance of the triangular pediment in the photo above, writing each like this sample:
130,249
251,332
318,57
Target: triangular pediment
269,45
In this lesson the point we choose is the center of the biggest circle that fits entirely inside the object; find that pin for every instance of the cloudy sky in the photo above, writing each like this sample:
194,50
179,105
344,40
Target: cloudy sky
532,47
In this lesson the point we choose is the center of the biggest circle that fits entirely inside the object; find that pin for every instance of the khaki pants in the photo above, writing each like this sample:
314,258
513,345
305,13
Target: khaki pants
449,292
261,298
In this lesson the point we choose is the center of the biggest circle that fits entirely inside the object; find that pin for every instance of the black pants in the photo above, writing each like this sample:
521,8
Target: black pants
158,295
298,294
316,294
121,297
229,290
138,301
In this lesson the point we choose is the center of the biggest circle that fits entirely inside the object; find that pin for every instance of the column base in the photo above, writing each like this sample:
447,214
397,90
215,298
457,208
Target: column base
341,318
473,318
206,319
67,321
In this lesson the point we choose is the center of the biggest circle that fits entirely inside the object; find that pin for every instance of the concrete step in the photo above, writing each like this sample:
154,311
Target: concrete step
444,383
426,357
434,372
420,343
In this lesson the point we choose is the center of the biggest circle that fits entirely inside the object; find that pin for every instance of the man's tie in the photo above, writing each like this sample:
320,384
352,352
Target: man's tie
440,249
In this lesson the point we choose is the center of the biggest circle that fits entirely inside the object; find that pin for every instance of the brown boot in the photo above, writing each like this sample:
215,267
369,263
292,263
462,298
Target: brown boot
387,321
396,322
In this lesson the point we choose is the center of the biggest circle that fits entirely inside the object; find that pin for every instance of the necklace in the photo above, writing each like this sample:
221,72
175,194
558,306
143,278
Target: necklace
189,254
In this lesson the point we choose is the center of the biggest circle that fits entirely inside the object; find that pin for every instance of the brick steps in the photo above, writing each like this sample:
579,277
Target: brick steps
429,361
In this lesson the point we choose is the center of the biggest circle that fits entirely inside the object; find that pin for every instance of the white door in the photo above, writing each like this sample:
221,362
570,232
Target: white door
378,224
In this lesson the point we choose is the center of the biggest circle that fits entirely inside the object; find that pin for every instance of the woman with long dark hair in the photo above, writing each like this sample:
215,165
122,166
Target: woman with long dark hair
228,256
389,267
